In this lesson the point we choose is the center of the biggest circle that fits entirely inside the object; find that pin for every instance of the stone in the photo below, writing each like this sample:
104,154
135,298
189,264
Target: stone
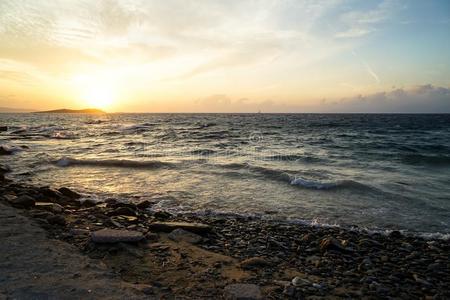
116,236
181,235
122,211
53,207
162,215
4,150
331,244
88,203
69,193
170,226
298,281
144,204
151,236
23,201
51,193
56,220
253,262
242,291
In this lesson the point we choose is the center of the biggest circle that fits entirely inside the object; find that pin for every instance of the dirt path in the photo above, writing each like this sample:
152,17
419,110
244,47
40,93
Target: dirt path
32,266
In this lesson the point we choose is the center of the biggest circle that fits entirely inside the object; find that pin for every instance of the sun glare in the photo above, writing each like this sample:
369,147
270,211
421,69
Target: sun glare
99,97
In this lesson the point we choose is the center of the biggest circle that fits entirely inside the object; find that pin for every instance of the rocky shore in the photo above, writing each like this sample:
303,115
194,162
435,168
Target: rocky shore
160,255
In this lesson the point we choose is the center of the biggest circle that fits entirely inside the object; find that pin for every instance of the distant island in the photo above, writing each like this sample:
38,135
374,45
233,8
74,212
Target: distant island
73,111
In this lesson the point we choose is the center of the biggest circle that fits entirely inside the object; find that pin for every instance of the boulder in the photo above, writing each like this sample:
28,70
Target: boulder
241,291
23,201
69,193
181,235
88,203
254,262
170,226
53,207
116,236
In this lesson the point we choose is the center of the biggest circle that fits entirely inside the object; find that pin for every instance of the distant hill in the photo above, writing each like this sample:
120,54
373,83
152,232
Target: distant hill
73,111
14,110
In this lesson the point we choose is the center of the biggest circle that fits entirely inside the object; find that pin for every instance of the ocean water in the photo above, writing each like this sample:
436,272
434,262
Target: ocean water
374,171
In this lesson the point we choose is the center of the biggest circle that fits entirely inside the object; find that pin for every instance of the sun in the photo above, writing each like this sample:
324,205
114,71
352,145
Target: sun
99,96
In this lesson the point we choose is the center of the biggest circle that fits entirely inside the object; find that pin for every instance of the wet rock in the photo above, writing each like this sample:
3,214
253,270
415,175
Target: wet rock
395,234
4,150
254,262
116,236
162,215
69,193
56,220
88,203
241,291
144,204
331,244
51,193
122,211
298,281
3,128
23,201
53,207
170,226
111,202
181,235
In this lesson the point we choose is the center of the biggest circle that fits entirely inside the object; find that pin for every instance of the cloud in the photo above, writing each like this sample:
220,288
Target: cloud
418,99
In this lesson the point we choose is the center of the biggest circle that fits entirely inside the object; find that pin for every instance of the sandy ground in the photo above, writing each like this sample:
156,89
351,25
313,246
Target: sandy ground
32,266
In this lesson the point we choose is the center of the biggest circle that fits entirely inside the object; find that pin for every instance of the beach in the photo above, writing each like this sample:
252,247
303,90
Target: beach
146,253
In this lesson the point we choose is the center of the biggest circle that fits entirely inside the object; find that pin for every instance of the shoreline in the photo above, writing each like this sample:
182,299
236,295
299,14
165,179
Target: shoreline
209,256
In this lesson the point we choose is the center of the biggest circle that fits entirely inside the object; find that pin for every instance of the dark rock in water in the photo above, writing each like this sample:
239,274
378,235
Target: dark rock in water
111,202
116,236
56,220
170,226
46,191
395,234
3,128
88,203
253,262
5,150
181,235
241,291
23,201
122,211
4,169
162,215
69,193
331,244
144,204
53,207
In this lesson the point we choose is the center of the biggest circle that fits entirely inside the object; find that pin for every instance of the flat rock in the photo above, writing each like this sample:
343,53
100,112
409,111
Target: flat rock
23,201
69,193
53,207
116,236
170,226
181,235
242,291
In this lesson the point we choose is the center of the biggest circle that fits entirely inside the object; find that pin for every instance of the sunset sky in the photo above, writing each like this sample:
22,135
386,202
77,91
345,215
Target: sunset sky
226,56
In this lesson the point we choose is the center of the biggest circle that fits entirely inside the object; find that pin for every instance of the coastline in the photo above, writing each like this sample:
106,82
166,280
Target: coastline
232,257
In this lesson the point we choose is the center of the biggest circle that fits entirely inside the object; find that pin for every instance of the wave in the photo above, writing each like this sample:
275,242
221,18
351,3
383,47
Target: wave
118,163
295,180
293,157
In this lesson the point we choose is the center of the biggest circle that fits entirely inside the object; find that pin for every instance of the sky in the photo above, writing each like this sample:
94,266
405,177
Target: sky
226,56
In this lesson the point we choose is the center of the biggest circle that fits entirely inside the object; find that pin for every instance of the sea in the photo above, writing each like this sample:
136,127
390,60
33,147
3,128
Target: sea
370,171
